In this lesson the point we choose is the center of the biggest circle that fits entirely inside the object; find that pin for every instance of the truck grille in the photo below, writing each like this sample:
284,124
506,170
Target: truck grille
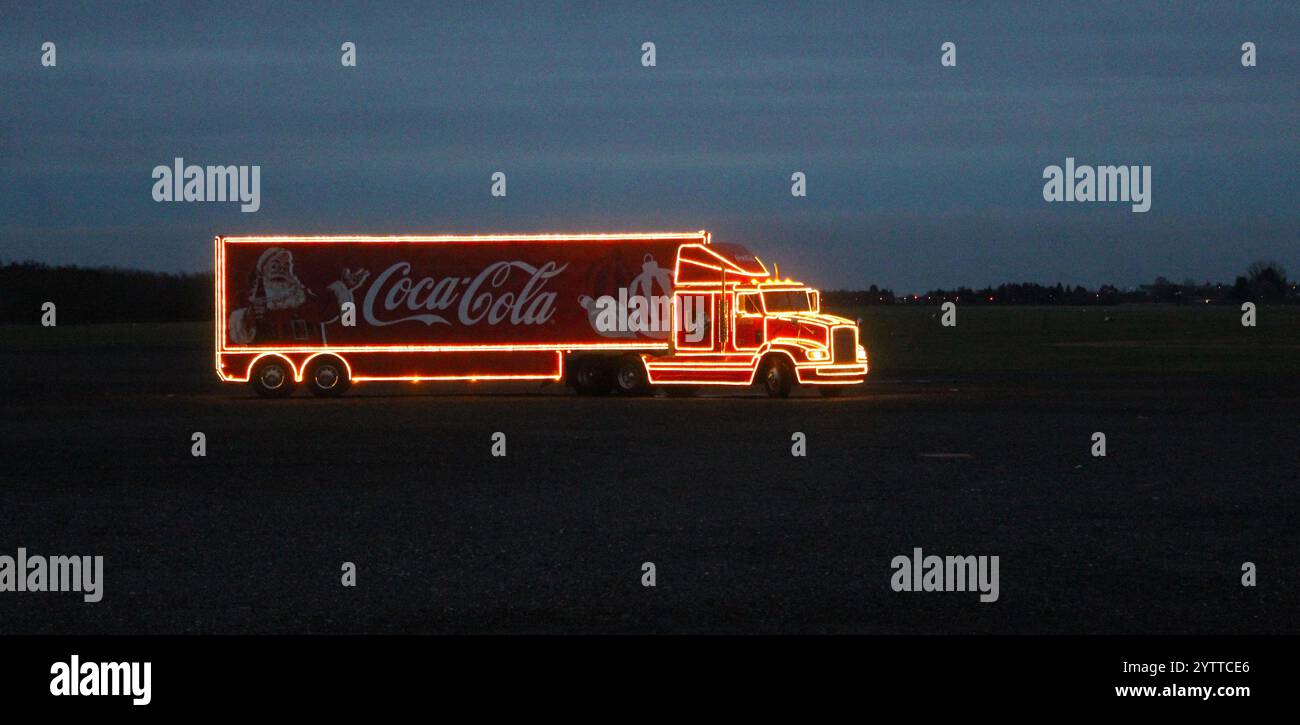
844,345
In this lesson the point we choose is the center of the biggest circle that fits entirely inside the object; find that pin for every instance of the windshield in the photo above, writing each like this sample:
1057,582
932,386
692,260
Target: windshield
787,301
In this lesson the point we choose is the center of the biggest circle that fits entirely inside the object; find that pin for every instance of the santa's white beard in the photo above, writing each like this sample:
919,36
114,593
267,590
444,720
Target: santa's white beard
284,295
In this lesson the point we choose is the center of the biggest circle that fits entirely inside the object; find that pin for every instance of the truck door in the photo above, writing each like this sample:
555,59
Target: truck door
749,321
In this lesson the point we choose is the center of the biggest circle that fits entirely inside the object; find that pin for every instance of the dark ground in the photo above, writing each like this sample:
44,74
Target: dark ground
1200,477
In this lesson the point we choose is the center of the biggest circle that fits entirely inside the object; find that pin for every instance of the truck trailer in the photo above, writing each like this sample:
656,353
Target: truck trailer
602,312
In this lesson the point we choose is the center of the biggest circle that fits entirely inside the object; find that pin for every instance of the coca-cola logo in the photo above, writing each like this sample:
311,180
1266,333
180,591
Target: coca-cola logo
502,291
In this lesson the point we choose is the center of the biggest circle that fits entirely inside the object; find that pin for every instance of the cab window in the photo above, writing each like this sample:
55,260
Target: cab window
749,304
787,301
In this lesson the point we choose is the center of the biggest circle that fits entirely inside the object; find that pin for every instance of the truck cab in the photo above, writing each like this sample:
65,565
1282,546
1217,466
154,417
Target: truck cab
736,323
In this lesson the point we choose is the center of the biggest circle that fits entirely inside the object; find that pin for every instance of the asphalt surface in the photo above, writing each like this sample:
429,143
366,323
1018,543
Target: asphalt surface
1200,477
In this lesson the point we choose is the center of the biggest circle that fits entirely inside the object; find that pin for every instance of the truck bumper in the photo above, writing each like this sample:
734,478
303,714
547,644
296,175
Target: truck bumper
812,373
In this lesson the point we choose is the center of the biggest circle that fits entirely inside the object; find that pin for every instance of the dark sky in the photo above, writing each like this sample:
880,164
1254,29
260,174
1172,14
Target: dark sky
918,176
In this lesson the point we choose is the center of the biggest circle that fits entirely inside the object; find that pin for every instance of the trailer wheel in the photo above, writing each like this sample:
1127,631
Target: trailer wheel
327,377
591,376
272,378
777,375
630,376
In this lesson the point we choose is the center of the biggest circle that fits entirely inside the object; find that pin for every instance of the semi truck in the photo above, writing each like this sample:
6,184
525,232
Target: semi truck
604,313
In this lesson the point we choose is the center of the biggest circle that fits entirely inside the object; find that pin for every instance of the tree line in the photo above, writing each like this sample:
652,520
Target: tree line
102,294
1263,282
109,294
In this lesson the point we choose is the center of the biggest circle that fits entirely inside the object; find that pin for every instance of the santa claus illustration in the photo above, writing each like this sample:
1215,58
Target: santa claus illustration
282,308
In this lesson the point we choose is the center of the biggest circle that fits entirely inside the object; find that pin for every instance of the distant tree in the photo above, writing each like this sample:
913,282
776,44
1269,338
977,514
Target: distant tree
1241,289
1267,281
1261,268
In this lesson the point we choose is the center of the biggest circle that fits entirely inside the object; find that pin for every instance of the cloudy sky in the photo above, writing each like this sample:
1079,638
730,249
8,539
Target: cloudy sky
918,175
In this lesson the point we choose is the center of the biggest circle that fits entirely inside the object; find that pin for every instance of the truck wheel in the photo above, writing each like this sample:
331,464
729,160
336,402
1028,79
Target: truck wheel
327,377
778,377
630,376
591,376
272,378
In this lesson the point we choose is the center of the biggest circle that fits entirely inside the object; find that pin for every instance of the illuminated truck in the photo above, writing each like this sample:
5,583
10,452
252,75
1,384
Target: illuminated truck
602,312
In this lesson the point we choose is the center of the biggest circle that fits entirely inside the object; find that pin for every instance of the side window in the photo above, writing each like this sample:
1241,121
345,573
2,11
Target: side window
749,304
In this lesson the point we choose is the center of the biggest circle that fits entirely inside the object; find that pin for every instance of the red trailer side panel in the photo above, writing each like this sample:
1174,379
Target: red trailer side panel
435,292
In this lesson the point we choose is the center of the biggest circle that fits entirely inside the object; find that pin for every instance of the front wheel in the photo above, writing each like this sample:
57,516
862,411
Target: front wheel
778,377
272,378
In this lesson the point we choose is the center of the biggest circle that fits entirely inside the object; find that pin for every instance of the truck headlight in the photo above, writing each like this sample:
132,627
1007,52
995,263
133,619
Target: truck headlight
818,355
862,354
